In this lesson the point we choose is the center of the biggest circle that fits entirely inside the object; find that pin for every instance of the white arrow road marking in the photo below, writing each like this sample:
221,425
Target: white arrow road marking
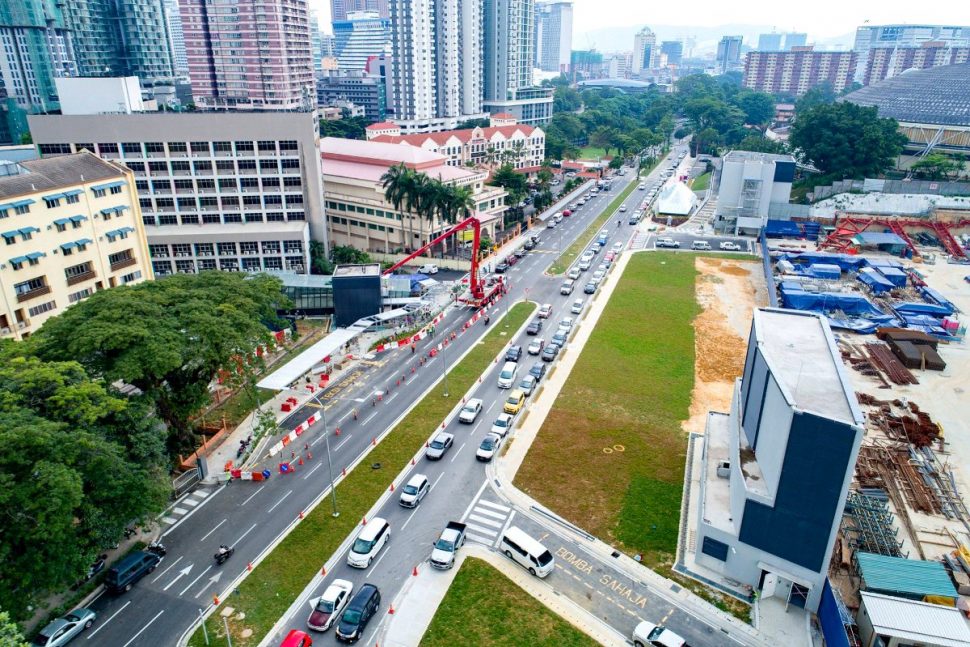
197,578
185,571
167,569
212,580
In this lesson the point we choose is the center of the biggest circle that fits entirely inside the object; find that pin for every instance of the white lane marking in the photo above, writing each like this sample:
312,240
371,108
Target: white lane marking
342,443
251,496
474,499
201,493
194,510
212,580
185,571
103,624
459,451
489,504
245,533
369,418
282,498
143,628
487,522
430,360
199,576
436,482
408,520
206,536
374,565
394,395
508,523
167,569
315,468
490,513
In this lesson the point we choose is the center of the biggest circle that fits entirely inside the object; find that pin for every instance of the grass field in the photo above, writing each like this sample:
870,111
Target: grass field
591,153
483,608
610,455
562,263
273,585
701,182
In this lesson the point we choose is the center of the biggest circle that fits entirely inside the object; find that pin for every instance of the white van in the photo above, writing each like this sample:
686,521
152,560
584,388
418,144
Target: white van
702,245
507,377
369,542
566,287
530,554
428,268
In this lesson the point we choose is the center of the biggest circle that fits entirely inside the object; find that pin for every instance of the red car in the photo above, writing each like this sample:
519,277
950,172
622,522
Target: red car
297,638
566,213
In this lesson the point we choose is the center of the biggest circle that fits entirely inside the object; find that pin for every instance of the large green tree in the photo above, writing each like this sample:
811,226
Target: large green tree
168,338
10,635
758,108
846,140
77,465
936,166
759,144
820,95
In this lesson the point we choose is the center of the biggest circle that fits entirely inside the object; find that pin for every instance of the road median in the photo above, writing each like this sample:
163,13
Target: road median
279,578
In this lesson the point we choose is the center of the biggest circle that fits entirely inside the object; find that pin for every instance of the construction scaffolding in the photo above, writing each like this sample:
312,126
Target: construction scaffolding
867,523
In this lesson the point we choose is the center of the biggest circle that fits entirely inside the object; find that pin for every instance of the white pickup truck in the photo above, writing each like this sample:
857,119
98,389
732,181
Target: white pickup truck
452,538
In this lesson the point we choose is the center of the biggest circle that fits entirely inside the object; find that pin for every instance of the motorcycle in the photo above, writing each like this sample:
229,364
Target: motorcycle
486,320
243,445
97,566
157,548
224,553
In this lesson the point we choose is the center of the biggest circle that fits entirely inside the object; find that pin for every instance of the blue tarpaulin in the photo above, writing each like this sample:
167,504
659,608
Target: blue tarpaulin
867,316
876,281
845,261
922,309
933,296
779,228
884,262
894,275
824,271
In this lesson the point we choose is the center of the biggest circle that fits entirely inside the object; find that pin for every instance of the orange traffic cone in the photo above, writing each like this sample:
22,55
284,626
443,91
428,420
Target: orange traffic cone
300,462
363,521
392,487
391,609
323,570
414,573
336,431
215,600
301,514
249,566
374,441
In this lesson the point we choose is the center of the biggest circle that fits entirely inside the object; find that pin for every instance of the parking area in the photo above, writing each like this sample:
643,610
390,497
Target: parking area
686,240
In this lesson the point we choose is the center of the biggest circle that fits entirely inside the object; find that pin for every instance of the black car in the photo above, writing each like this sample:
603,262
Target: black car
529,244
358,613
549,352
590,288
534,327
501,268
513,354
539,369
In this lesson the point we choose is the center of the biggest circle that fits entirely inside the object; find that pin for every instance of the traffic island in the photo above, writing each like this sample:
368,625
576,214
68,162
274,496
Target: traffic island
276,580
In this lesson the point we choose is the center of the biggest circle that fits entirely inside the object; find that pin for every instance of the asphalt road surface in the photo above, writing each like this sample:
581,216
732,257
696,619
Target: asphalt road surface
250,516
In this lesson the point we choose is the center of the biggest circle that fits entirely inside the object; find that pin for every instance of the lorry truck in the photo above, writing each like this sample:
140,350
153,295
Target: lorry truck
452,538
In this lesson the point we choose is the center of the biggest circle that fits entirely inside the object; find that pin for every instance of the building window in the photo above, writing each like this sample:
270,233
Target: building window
295,216
271,183
154,147
204,249
187,204
55,149
168,219
273,199
288,145
74,297
202,167
293,182
134,276
180,166
211,219
205,184
254,216
247,165
225,166
290,164
115,190
206,264
165,203
42,308
131,149
29,286
72,199
249,247
222,147
158,251
227,184
78,270
106,148
267,147
268,166
271,247
141,186
714,548
200,147
275,216
232,217
161,268
21,209
177,148
227,249
244,147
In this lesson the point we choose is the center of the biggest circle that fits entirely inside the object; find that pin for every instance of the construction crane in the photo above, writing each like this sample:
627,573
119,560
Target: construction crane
478,293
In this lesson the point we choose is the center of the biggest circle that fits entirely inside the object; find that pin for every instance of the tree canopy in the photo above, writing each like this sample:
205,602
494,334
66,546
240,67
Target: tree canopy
167,338
78,464
937,166
347,128
847,140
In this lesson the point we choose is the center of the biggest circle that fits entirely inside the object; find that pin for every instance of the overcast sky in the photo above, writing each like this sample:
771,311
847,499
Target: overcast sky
820,18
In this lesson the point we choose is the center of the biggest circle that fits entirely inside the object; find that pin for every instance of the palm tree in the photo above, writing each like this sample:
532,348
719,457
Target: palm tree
518,148
397,182
420,200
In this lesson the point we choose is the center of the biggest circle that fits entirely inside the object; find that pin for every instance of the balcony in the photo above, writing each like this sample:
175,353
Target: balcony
33,294
125,262
80,278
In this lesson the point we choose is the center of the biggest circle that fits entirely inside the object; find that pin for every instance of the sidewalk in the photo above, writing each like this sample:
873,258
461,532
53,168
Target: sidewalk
418,601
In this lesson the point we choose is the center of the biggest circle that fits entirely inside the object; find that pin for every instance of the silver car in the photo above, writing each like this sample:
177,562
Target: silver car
441,444
64,630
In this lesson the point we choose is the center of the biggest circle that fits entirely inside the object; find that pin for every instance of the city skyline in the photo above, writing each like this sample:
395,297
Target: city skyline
830,18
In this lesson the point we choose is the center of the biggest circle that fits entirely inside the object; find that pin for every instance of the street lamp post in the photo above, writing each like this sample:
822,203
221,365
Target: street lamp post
444,370
326,437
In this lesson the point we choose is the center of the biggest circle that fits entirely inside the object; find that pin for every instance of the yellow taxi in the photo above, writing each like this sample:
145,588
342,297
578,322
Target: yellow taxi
514,402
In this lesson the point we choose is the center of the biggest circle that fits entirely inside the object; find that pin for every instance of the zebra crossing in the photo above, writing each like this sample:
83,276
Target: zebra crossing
486,520
185,505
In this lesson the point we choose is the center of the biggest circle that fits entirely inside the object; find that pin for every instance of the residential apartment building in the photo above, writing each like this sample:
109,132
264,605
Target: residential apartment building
341,9
121,38
728,54
36,48
217,190
359,215
509,45
553,35
437,64
249,54
521,145
776,469
797,71
645,52
364,91
362,36
870,37
71,226
885,62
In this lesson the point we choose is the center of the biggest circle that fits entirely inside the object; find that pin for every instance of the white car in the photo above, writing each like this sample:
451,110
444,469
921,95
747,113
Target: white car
642,186
502,424
622,208
470,411
566,323
647,634
489,447
575,272
551,223
577,307
729,246
535,347
545,311
330,605
617,246
429,268
597,277
415,490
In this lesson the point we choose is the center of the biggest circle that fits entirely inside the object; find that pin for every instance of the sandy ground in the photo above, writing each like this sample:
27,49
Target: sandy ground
727,291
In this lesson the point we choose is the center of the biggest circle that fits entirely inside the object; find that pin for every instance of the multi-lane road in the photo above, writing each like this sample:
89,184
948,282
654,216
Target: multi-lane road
251,516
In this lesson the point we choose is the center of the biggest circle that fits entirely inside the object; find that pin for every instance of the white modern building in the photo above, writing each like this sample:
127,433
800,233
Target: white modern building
217,190
750,183
645,52
437,63
363,35
87,95
777,468
176,37
554,35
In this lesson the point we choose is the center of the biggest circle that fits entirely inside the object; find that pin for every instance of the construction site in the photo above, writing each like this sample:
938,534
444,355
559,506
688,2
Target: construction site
895,291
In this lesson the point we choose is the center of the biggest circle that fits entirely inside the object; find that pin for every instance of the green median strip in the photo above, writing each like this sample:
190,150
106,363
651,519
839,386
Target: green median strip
275,583
484,608
562,263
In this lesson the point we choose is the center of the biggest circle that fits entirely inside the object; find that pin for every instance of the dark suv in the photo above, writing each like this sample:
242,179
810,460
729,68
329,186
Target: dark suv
513,354
358,613
534,327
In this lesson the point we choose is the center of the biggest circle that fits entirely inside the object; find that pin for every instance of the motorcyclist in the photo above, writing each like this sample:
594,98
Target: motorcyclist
487,319
223,550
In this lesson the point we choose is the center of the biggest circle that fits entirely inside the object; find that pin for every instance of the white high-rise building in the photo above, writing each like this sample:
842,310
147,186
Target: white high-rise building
554,35
437,66
645,51
176,38
509,28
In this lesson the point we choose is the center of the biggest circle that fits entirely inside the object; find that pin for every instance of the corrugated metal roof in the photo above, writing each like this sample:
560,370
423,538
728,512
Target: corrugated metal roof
878,238
910,578
919,622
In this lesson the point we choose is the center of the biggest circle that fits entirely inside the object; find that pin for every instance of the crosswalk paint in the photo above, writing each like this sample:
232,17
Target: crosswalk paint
190,502
179,511
168,520
487,522
495,506
488,541
489,513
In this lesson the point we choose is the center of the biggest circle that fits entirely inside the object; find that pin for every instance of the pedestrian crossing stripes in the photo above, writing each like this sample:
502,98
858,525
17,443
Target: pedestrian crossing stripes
191,501
486,520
